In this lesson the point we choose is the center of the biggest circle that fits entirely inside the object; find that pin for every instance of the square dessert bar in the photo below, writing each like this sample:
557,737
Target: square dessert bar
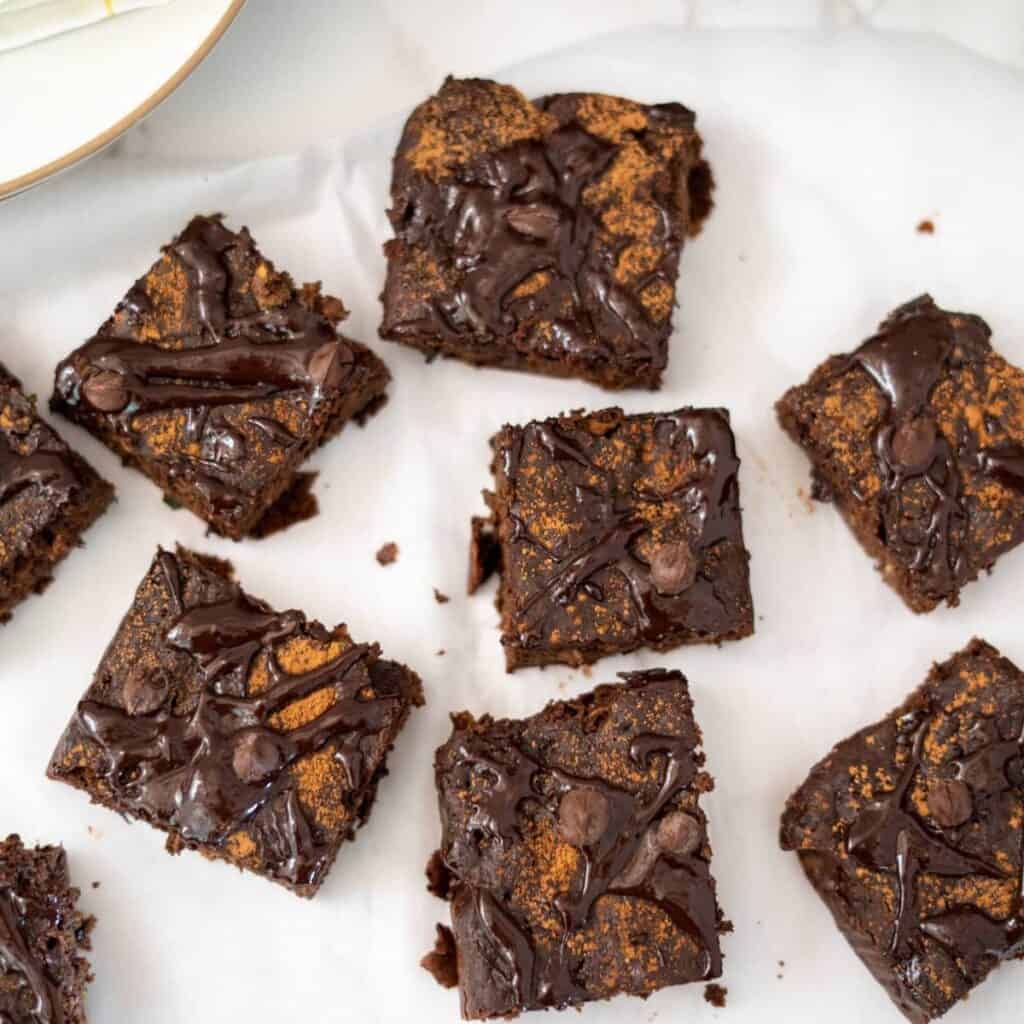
43,974
918,437
613,532
216,377
911,833
254,736
49,496
574,852
543,235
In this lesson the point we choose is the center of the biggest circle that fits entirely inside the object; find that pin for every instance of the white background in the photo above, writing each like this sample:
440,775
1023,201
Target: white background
828,147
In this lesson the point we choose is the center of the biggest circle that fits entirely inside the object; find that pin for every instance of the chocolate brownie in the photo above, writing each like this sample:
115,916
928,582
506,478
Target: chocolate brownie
49,496
43,974
613,532
574,852
251,735
918,437
216,377
911,833
543,235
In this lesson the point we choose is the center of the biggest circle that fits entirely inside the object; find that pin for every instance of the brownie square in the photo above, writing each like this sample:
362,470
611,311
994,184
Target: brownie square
574,852
43,974
910,831
614,532
917,437
254,736
543,235
216,377
49,496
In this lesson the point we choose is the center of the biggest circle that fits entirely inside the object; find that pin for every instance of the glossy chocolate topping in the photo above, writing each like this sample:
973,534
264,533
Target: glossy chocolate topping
225,765
674,585
232,360
21,977
532,238
645,851
918,346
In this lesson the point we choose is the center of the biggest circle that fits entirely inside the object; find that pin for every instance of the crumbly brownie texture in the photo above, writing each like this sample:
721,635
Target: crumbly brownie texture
918,437
574,852
613,532
43,974
542,236
911,833
216,377
49,496
253,736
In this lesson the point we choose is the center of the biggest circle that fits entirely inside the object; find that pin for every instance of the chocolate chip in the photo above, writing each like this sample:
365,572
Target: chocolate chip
144,690
534,220
582,816
949,802
673,568
105,390
678,832
913,442
256,756
324,370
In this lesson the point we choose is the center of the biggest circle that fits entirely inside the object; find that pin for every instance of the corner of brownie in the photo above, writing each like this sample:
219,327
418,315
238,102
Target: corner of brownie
918,438
543,236
217,376
250,735
566,831
49,496
615,531
910,831
43,974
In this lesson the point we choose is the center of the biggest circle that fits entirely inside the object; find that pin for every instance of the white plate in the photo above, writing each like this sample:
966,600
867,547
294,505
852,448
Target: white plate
66,98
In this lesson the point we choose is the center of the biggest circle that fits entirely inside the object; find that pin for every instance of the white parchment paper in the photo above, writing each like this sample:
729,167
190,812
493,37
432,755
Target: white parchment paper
827,152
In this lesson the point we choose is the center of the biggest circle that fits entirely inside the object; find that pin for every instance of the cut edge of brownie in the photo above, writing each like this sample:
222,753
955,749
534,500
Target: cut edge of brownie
443,961
361,799
32,571
40,876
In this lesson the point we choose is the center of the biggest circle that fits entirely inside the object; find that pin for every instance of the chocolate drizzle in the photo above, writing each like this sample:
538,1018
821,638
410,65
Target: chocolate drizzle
605,544
530,267
223,766
624,858
19,970
228,352
52,471
917,347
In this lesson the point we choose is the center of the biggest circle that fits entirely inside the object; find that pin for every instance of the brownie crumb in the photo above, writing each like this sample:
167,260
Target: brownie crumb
715,995
441,653
297,505
439,878
95,885
388,553
926,227
441,960
440,598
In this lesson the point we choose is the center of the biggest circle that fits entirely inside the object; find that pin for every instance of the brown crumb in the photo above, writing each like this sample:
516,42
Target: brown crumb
587,670
441,653
441,960
440,598
388,553
715,995
926,227
95,885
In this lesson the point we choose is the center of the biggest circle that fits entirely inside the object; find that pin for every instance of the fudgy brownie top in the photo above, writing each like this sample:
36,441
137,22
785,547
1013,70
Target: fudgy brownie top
252,734
543,232
911,830
921,431
618,530
575,852
39,475
42,935
215,368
